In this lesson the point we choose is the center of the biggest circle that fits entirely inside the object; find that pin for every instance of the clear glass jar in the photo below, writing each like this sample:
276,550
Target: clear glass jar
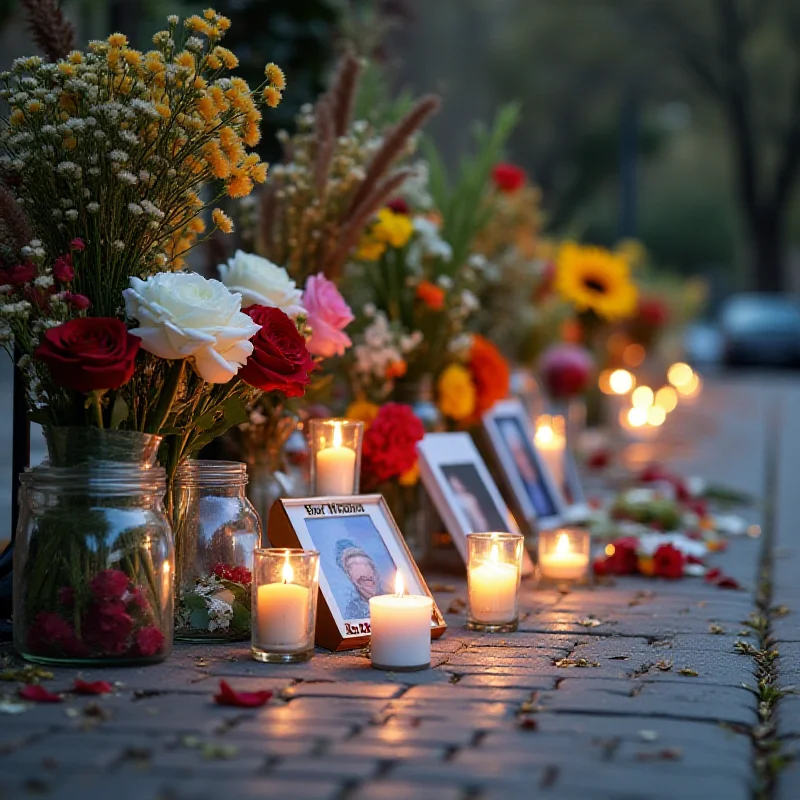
217,531
93,565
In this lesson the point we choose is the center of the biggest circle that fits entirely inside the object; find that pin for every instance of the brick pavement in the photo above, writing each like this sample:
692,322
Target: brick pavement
495,717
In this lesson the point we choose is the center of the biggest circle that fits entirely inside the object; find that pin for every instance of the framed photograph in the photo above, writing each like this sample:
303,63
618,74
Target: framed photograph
360,549
525,473
463,490
572,490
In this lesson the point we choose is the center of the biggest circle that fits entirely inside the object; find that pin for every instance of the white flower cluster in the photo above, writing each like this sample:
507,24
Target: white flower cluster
426,244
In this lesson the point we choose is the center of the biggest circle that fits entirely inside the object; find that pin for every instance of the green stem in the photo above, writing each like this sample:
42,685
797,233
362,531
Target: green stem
168,396
97,405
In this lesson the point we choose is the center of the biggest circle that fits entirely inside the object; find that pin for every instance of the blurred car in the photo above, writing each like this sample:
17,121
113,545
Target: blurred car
702,344
760,329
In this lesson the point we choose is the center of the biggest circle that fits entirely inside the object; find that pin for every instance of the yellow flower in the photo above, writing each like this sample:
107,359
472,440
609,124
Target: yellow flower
362,410
259,172
457,395
75,57
228,58
209,14
275,76
222,220
117,40
593,278
185,59
200,83
70,143
17,117
223,23
633,251
66,69
370,249
206,108
132,57
33,106
272,97
163,109
197,225
195,23
411,477
252,134
393,229
213,61
240,184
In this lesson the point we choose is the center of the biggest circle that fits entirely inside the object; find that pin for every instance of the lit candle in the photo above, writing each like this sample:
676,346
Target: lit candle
401,630
550,444
283,610
493,590
563,563
336,467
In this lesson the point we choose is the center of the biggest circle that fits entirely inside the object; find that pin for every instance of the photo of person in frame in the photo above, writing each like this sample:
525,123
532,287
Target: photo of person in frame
355,560
527,465
473,498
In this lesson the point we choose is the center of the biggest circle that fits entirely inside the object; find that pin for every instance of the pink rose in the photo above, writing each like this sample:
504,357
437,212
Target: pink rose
328,316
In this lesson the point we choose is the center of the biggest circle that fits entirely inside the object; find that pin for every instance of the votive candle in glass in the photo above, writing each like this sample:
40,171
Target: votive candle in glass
285,584
564,555
494,567
400,626
551,442
335,456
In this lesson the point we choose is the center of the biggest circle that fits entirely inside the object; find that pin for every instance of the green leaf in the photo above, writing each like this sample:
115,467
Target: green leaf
241,617
119,412
218,420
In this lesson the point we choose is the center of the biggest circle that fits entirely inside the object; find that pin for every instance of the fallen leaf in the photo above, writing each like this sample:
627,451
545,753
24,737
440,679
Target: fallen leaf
717,630
563,663
93,687
590,622
781,611
218,752
667,754
36,693
30,673
527,723
688,672
664,666
228,697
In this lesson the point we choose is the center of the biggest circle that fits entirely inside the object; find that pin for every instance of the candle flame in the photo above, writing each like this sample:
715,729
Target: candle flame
562,544
399,586
544,434
494,554
287,573
337,434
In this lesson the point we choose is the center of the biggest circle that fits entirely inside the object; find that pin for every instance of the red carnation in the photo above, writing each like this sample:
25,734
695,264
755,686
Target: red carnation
508,178
566,370
16,276
77,244
149,640
78,301
90,353
623,560
653,311
280,361
106,627
51,633
110,584
63,271
668,562
399,206
390,444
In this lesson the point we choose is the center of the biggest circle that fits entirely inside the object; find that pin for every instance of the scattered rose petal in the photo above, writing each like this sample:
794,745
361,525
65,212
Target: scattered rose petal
717,630
528,723
227,697
36,693
713,574
727,582
93,687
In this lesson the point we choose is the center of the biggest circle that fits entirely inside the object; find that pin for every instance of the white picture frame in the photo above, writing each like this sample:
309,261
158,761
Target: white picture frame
525,473
463,491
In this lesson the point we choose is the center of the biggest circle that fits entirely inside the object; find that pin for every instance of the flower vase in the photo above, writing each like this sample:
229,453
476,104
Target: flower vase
93,557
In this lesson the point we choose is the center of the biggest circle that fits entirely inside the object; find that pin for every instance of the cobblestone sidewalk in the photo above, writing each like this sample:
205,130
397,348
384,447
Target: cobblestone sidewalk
633,691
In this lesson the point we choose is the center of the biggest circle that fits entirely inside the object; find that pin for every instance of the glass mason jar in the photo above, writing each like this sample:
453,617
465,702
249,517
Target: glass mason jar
93,565
217,531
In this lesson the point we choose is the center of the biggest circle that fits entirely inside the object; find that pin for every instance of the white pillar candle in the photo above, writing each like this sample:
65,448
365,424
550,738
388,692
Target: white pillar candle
400,630
493,591
563,563
550,444
283,610
336,468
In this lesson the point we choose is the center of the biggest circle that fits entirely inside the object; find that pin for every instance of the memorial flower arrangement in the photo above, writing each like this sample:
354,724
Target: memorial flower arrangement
117,158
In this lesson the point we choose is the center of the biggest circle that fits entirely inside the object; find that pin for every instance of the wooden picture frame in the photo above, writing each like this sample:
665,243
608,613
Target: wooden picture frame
525,474
360,546
463,490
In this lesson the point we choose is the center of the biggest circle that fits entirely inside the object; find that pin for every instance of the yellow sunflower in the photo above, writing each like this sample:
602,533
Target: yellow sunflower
595,279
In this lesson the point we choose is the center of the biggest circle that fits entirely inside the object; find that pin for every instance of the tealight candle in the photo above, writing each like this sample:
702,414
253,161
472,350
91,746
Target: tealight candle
494,565
285,586
335,456
400,627
551,442
564,554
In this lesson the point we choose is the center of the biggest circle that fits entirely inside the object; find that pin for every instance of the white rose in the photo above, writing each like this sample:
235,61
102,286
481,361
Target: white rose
183,315
262,283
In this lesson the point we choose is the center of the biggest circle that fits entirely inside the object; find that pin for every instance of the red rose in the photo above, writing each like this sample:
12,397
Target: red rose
624,559
22,273
390,444
63,271
508,178
78,301
280,361
653,312
149,640
399,206
110,584
566,370
668,562
89,353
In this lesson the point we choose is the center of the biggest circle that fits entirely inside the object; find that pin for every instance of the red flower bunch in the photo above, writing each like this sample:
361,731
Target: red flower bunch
399,206
566,370
89,353
280,361
19,275
655,473
621,559
490,373
508,178
226,572
668,562
390,444
116,620
653,312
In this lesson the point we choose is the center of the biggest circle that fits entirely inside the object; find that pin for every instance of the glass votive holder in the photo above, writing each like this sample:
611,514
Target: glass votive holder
285,587
335,456
564,556
494,567
551,443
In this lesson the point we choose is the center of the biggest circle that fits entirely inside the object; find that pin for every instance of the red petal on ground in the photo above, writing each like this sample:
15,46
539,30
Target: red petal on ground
36,693
712,575
227,697
91,687
727,582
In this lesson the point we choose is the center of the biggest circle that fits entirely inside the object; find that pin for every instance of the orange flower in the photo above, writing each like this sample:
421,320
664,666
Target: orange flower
397,369
431,295
571,331
490,372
